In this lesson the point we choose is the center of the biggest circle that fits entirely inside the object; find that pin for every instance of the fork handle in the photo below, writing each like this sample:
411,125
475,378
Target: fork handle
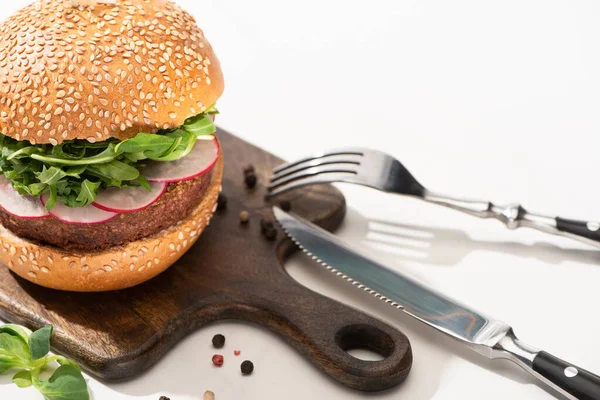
514,216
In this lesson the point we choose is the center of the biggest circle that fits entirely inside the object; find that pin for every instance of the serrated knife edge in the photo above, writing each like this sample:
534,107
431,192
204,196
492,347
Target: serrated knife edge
340,274
497,338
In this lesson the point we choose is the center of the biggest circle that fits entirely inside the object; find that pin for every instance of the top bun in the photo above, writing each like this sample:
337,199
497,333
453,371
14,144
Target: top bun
96,69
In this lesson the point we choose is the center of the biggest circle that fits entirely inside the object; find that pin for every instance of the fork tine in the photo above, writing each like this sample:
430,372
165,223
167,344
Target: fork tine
329,160
308,172
329,153
310,180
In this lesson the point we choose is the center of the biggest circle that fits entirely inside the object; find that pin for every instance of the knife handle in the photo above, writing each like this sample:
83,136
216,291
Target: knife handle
576,381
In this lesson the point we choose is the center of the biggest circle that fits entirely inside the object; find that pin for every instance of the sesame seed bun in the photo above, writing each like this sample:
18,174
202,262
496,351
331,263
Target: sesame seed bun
115,268
102,70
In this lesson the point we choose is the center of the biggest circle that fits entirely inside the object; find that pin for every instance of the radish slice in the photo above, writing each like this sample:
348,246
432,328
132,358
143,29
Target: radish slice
202,158
84,215
12,202
129,199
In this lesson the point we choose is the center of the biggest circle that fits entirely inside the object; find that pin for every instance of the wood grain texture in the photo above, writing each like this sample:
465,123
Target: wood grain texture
231,273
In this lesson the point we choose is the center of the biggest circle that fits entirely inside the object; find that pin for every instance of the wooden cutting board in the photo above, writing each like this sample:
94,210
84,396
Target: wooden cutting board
233,272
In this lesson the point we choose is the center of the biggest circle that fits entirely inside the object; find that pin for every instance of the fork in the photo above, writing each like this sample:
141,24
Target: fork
383,172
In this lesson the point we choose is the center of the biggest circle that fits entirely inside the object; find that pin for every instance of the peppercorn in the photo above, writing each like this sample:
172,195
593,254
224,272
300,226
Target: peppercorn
237,352
285,205
266,223
218,341
271,234
251,181
217,360
221,202
247,367
249,170
164,398
244,217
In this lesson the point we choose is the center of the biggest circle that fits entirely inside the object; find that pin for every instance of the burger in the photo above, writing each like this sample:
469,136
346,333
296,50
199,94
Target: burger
109,167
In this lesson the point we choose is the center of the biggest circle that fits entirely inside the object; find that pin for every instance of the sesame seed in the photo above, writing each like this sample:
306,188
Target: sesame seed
45,85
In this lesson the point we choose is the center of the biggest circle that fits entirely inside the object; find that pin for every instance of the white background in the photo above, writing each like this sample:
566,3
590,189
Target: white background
492,99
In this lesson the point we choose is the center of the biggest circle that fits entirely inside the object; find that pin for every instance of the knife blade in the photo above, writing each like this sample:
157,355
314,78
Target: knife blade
488,336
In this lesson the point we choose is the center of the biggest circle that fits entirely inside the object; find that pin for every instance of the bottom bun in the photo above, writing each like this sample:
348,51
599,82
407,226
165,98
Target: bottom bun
114,268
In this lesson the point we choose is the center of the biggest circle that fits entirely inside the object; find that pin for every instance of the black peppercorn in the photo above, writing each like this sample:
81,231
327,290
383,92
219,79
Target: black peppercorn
249,170
251,181
285,205
221,202
265,224
271,234
218,341
247,367
164,398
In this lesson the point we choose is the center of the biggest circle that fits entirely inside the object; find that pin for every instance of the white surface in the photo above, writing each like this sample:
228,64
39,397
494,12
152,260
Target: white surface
497,100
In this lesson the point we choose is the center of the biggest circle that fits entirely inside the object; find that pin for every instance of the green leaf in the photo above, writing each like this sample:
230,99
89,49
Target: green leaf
14,346
8,362
74,172
39,342
19,167
186,142
143,182
67,383
65,361
16,330
151,146
59,151
36,189
51,202
89,192
23,379
118,170
50,176
135,157
106,156
200,125
22,153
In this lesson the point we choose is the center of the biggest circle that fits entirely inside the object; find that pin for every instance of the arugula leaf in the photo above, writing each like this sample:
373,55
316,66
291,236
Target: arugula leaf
51,202
201,124
36,189
143,182
39,342
89,192
185,142
147,144
66,383
22,153
51,175
74,172
119,171
106,156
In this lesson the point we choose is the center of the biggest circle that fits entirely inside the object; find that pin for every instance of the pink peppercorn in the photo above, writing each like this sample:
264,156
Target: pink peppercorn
217,360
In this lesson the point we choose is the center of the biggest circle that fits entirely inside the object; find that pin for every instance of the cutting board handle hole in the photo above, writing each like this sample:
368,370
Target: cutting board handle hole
365,342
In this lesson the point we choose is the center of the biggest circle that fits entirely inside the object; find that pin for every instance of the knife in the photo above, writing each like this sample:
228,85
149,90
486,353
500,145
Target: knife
489,337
